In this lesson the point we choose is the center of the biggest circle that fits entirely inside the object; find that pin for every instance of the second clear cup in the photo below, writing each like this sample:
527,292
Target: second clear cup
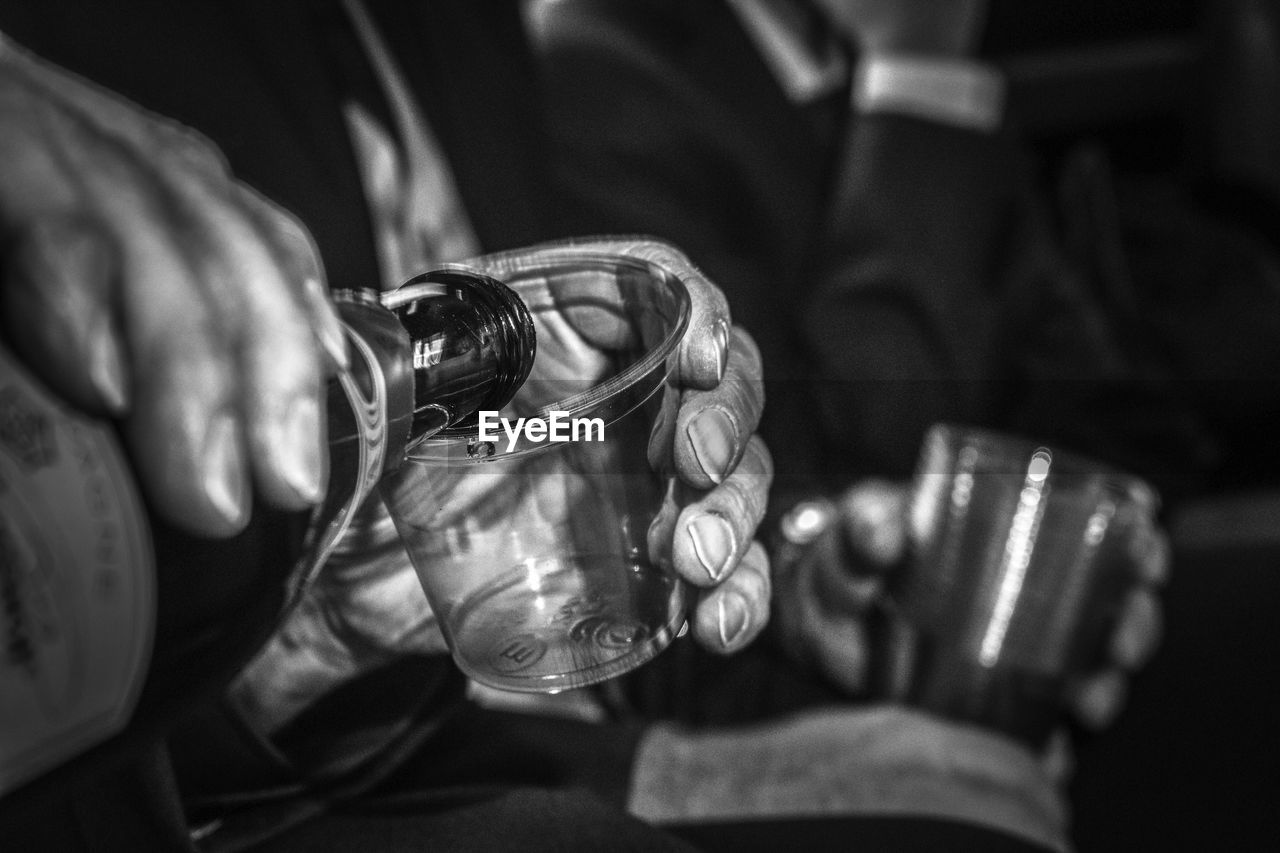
531,538
1021,560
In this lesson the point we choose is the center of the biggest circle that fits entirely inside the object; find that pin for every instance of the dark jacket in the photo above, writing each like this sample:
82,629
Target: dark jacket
895,271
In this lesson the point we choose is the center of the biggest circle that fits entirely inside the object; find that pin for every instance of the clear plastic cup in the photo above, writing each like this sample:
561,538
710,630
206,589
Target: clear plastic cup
1020,560
534,552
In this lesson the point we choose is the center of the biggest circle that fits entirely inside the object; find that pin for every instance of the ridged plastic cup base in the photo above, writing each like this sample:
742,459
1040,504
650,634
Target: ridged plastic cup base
566,621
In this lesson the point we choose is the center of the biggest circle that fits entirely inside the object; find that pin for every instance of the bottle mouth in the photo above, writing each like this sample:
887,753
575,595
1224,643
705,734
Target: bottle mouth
501,312
657,309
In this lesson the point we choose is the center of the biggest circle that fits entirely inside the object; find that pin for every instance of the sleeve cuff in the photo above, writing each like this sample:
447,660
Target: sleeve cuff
957,92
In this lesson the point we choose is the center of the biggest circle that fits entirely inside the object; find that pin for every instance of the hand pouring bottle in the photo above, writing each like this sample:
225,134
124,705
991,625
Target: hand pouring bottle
77,569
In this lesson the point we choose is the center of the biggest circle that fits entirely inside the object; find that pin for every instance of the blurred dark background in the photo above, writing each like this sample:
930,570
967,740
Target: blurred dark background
1178,91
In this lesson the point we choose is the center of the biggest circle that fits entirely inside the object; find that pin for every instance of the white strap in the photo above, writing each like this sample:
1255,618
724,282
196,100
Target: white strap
416,205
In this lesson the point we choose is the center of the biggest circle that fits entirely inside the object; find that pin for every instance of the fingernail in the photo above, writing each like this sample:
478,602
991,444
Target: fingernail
331,334
106,367
713,433
656,436
224,476
661,531
721,335
713,543
733,620
296,449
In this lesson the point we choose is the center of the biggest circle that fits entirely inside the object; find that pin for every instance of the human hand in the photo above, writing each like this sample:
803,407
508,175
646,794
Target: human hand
366,605
141,281
705,532
823,597
924,27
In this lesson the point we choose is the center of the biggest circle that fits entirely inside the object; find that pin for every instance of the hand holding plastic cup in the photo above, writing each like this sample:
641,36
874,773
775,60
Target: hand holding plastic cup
1020,559
531,540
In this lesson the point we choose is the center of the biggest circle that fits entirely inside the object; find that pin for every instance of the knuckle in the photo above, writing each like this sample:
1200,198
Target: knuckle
187,149
195,339
742,499
293,235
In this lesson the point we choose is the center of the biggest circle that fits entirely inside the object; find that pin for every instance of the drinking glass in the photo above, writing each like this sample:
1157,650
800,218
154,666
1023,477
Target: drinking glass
1019,563
534,552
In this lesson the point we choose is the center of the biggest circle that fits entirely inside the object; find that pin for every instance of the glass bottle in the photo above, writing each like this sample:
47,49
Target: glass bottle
426,357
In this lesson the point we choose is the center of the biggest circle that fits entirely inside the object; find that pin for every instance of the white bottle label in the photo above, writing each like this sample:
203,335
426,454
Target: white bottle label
77,582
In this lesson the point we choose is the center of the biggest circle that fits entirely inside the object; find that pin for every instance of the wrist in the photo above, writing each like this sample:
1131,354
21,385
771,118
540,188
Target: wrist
299,665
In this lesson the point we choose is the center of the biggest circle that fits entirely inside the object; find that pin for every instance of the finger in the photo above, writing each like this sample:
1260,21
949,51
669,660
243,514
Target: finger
1059,758
713,533
794,598
263,323
59,311
821,610
662,435
874,522
58,273
1138,632
297,252
1098,700
662,529
270,330
273,347
594,304
837,645
713,427
841,585
733,614
1150,550
703,356
850,559
184,426
567,363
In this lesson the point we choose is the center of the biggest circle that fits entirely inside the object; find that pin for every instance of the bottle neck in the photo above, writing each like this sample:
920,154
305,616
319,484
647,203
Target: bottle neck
428,357
424,358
